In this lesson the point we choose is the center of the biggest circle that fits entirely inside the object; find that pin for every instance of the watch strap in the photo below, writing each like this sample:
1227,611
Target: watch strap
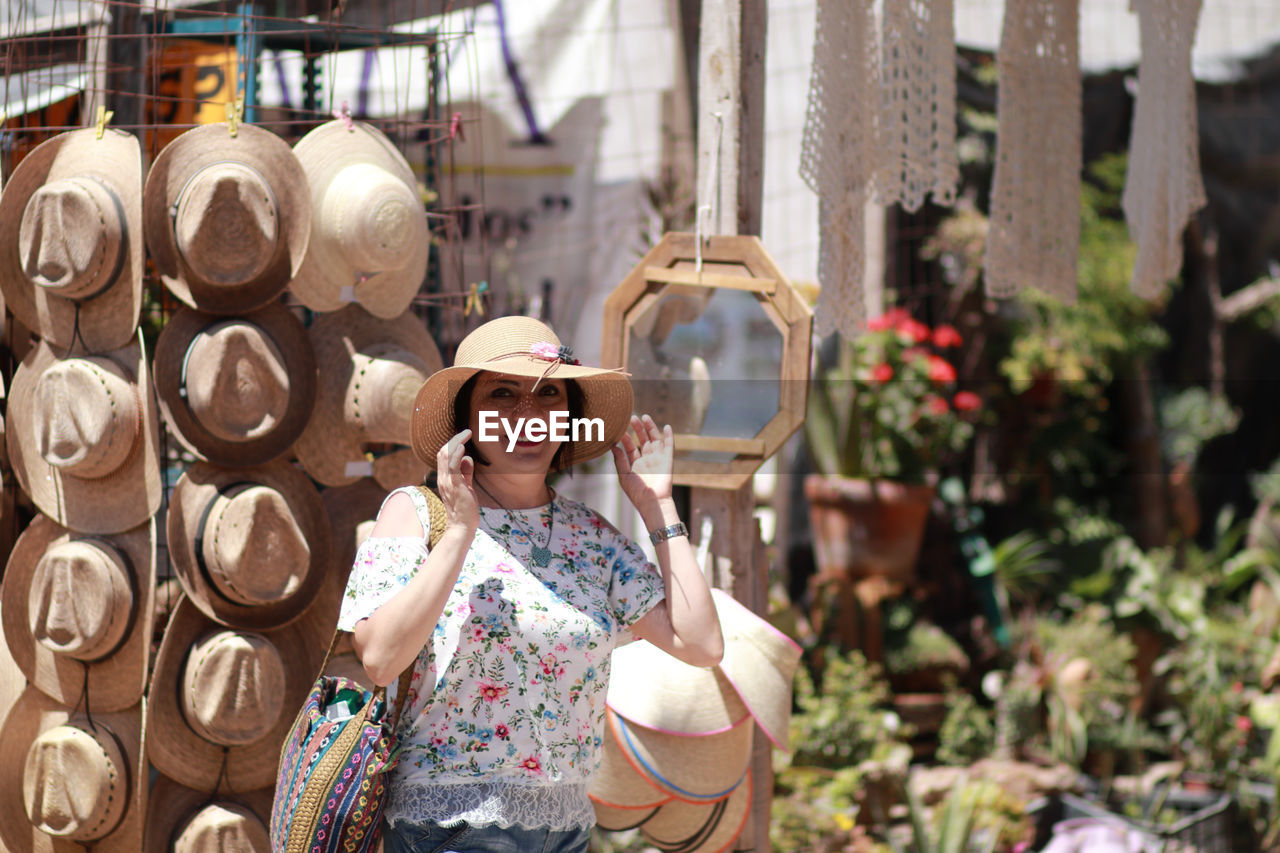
671,531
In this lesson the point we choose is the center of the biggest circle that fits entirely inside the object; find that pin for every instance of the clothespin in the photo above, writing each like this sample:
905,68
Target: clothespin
343,114
473,299
235,115
455,127
100,123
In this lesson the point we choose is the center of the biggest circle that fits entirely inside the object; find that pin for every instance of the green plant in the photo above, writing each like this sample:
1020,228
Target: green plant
889,408
967,732
923,645
846,718
815,809
954,824
1191,418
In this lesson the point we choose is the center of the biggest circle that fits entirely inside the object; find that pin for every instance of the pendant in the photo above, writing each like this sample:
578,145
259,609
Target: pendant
541,556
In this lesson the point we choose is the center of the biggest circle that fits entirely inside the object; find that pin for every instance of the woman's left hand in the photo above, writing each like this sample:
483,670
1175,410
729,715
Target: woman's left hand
645,462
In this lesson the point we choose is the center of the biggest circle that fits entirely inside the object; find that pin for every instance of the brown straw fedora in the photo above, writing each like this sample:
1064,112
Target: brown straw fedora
227,217
250,545
369,237
680,827
696,768
653,689
71,244
520,346
370,369
761,663
182,820
236,390
84,439
222,701
71,783
77,612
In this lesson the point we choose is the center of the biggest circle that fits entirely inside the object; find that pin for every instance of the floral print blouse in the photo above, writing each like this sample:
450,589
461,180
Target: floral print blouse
505,710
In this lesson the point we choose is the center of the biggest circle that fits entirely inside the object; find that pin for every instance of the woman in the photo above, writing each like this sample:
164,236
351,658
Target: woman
509,620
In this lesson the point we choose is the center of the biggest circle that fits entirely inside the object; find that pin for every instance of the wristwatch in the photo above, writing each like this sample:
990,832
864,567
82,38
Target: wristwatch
671,531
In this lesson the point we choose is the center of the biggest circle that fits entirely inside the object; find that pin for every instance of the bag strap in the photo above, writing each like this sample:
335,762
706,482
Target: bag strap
438,518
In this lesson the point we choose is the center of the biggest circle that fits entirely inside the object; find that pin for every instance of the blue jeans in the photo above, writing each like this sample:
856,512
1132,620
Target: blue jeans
405,837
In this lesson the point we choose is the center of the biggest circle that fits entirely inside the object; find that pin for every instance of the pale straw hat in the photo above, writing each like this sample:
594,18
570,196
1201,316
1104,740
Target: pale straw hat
250,545
222,701
71,244
369,237
761,663
227,217
71,783
182,820
695,768
680,827
617,819
617,784
84,439
654,689
370,370
520,346
236,390
77,612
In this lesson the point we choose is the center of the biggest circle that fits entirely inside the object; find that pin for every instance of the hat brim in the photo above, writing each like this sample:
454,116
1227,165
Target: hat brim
289,336
196,489
693,768
617,784
606,393
170,805
182,158
114,682
326,270
760,661
330,441
33,714
183,755
119,501
654,689
106,320
680,827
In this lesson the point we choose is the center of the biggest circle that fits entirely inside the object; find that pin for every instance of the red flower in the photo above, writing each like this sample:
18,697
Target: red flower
946,336
490,691
882,372
940,370
914,329
532,764
879,324
966,401
1244,725
936,406
501,731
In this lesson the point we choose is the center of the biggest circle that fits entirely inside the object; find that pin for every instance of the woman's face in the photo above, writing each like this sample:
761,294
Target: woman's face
508,410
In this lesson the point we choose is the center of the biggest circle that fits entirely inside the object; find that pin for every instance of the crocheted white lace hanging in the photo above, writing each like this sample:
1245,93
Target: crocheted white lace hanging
1034,232
837,157
1163,187
917,120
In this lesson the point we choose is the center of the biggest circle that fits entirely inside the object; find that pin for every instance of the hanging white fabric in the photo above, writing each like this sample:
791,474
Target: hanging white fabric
1034,232
1163,187
917,117
838,155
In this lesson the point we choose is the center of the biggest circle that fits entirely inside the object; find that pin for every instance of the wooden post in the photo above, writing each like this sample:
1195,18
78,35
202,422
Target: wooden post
730,122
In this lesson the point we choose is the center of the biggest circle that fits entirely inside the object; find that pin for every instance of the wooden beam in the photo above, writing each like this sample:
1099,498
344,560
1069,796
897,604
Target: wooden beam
672,275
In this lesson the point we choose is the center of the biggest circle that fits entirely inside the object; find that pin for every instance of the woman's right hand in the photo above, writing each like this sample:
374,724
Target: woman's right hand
454,481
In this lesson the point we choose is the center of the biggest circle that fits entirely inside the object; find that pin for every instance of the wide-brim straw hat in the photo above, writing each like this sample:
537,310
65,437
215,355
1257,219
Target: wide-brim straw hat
90,778
227,217
89,600
242,687
369,237
658,691
760,661
520,346
696,768
96,417
371,370
71,242
228,823
236,390
680,827
617,784
251,546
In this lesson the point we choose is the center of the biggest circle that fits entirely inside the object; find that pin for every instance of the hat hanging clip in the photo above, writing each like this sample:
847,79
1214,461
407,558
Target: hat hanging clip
235,115
103,119
474,302
343,114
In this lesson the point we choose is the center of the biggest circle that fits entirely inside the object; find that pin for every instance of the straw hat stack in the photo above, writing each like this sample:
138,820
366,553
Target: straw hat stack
678,740
76,601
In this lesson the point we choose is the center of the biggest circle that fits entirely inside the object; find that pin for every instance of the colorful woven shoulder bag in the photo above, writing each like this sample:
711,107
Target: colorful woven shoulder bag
332,780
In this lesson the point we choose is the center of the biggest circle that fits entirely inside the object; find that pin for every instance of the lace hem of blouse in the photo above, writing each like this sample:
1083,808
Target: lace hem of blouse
558,807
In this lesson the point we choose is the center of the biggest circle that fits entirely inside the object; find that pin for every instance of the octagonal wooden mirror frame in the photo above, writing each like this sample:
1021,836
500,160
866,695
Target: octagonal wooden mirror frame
737,263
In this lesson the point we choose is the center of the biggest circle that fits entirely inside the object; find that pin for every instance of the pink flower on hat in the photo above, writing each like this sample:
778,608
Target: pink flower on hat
552,352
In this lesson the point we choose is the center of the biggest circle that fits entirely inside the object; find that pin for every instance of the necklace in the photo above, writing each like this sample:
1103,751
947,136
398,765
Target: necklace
541,554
